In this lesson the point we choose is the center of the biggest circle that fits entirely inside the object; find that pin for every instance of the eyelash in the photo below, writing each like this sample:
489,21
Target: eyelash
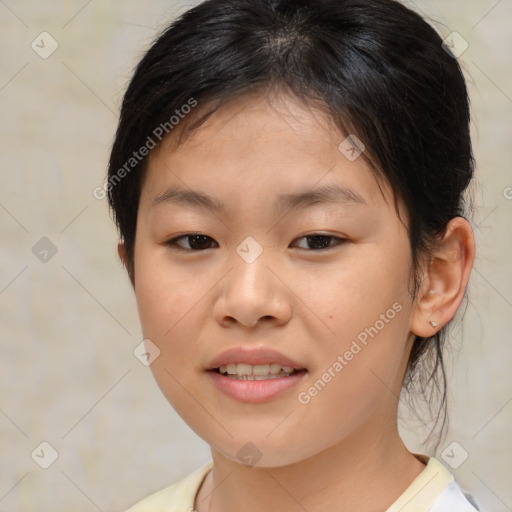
172,243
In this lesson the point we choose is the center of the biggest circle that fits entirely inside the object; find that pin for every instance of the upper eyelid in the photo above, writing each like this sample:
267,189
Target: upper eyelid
172,241
187,235
339,239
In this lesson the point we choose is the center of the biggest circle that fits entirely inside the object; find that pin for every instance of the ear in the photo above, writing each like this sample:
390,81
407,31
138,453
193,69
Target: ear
121,251
445,280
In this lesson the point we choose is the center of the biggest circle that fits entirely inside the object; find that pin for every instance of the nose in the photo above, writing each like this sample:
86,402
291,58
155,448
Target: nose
251,294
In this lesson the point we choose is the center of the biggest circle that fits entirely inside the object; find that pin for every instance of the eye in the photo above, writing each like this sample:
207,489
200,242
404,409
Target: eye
193,242
319,242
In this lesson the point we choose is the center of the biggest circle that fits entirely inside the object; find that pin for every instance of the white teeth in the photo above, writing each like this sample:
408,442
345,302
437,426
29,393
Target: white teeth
243,369
261,369
275,368
256,372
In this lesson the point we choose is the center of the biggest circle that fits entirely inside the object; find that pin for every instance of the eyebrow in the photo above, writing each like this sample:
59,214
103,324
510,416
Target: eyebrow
328,194
189,198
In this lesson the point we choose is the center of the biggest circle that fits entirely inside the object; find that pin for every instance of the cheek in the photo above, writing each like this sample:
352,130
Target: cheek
163,294
366,306
355,293
170,311
169,305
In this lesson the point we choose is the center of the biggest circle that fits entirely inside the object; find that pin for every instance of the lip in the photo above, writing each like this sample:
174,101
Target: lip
255,391
252,356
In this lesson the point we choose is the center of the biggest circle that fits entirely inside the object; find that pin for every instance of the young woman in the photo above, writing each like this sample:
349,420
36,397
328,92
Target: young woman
288,179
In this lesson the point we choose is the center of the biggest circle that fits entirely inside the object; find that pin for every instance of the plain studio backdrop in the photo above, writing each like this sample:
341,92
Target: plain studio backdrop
68,322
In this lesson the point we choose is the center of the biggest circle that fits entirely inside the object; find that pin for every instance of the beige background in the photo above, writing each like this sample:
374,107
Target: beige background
68,326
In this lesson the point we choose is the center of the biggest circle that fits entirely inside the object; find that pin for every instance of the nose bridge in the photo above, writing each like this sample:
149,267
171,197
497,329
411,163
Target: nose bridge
251,291
250,274
249,250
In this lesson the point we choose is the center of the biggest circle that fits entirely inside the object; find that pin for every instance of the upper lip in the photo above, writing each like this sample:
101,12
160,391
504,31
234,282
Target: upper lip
252,356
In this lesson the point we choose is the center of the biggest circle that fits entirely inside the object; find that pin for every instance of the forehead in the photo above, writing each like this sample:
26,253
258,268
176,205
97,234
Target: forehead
250,119
256,146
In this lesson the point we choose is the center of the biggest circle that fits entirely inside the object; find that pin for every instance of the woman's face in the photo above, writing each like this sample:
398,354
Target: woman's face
301,263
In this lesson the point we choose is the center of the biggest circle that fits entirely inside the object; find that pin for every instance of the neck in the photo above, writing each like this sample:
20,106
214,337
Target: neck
337,479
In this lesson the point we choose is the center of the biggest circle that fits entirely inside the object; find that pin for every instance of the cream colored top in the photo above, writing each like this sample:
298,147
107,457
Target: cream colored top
434,490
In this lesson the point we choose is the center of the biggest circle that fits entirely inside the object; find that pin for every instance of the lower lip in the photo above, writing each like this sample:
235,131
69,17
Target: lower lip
255,391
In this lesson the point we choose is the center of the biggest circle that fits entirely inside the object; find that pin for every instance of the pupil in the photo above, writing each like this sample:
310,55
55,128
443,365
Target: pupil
318,241
196,240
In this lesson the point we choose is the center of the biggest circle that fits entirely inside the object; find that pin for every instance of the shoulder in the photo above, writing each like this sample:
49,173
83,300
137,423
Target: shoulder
434,490
454,499
178,497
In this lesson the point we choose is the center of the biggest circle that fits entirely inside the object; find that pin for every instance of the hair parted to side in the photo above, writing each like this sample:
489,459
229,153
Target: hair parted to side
374,66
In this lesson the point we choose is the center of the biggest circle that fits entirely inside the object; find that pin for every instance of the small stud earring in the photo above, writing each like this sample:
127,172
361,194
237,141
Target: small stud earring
433,323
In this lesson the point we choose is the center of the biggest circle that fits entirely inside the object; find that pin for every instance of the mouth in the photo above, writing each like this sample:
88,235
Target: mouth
244,371
254,374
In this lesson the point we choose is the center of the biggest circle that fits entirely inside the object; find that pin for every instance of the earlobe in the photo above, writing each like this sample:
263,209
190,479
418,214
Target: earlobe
121,251
446,279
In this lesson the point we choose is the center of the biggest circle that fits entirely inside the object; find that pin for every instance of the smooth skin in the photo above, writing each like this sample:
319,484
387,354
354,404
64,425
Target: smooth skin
308,303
